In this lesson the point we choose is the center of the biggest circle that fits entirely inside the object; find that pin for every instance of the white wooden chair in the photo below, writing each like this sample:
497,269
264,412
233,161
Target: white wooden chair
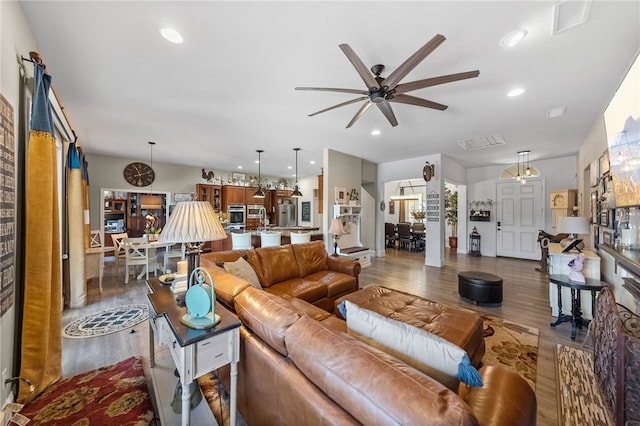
136,253
94,239
172,252
118,247
300,237
241,241
270,239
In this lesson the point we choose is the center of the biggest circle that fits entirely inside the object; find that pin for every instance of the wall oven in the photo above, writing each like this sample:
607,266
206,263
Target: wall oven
236,215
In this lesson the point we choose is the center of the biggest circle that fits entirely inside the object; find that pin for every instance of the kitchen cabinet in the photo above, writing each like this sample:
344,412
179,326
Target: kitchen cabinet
232,195
210,193
136,212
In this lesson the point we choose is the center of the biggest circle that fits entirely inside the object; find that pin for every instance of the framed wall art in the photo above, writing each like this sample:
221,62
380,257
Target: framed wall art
341,195
306,211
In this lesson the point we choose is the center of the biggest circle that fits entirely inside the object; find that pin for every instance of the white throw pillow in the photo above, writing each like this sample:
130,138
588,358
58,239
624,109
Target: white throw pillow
242,269
431,354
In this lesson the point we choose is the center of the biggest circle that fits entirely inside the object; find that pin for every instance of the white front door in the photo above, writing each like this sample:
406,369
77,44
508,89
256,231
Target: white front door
519,216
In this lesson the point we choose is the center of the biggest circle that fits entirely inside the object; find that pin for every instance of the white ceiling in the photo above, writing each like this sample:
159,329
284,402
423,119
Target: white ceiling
229,88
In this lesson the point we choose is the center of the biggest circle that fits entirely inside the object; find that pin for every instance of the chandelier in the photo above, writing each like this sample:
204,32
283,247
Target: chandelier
524,169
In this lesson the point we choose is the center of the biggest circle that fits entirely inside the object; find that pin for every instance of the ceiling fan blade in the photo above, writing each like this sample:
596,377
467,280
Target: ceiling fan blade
405,68
331,89
352,101
385,107
434,81
360,67
359,114
412,100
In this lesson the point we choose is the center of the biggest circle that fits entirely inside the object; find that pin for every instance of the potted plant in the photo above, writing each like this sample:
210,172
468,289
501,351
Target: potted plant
451,215
151,228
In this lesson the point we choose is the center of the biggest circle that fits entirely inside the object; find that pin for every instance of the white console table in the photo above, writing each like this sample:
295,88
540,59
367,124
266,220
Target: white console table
559,265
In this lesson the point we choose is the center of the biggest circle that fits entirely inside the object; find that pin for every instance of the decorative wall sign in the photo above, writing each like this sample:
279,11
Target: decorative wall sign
433,207
7,206
182,196
306,211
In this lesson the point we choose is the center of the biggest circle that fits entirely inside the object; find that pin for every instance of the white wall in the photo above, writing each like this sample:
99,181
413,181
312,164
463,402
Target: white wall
15,40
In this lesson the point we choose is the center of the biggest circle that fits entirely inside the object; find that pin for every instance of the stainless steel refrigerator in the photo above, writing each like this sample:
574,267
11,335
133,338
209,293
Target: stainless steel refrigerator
287,215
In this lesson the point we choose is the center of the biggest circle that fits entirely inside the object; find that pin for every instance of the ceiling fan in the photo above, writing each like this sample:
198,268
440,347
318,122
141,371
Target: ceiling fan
382,91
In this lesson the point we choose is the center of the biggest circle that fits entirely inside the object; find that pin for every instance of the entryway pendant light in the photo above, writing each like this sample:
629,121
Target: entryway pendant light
296,191
259,192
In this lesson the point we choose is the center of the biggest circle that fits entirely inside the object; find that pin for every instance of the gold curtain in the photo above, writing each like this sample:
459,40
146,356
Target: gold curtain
75,226
41,348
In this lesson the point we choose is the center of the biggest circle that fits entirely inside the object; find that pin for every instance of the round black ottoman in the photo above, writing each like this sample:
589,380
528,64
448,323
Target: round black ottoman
480,287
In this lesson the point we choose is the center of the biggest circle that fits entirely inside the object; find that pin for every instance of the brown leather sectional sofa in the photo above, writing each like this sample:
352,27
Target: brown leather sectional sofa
299,366
304,271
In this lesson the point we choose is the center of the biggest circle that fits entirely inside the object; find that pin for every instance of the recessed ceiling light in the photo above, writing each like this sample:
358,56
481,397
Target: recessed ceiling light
512,38
239,167
289,167
515,92
171,35
312,162
375,132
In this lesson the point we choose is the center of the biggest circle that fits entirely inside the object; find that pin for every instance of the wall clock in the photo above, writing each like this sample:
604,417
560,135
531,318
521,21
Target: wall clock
139,174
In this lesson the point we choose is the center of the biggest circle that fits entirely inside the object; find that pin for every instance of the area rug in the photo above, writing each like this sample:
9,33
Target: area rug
578,404
106,322
511,345
113,395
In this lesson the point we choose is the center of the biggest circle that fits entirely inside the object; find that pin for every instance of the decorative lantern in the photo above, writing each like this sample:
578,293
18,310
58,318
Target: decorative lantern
474,243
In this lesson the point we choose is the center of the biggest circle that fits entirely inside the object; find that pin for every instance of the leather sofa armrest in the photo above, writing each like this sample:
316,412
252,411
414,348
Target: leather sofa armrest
505,399
345,265
308,309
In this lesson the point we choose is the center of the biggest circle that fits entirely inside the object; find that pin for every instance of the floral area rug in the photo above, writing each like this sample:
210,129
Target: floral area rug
106,322
114,395
511,345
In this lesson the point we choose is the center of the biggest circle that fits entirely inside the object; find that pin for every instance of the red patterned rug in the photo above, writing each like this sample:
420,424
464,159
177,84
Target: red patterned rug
113,395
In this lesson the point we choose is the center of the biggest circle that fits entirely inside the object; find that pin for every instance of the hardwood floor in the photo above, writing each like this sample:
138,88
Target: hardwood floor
525,301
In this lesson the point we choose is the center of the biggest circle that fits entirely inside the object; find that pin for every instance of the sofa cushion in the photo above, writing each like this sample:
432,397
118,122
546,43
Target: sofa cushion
427,352
337,283
301,288
242,269
267,315
372,386
278,264
310,257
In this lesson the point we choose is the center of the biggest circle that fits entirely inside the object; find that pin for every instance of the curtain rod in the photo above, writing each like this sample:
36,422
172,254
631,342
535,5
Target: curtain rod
34,57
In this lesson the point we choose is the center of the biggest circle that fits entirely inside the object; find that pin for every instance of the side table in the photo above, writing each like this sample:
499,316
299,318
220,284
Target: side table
194,352
576,319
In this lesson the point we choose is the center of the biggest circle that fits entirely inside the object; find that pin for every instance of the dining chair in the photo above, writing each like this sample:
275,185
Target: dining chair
270,239
171,252
241,241
118,247
94,239
404,235
390,234
136,253
300,237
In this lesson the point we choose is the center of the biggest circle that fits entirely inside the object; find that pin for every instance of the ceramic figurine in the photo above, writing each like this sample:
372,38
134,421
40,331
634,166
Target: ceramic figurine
576,269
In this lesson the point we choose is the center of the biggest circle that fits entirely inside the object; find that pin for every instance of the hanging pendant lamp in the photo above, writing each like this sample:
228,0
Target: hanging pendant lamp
150,201
296,191
259,192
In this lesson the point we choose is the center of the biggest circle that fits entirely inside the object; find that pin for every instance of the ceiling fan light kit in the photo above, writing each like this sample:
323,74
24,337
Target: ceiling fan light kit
382,91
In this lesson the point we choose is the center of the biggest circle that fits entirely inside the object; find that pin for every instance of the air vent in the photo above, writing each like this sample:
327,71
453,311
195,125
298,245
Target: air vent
556,112
568,14
482,142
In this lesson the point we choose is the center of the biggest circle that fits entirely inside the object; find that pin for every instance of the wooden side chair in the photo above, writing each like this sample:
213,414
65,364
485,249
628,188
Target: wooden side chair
136,253
118,247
